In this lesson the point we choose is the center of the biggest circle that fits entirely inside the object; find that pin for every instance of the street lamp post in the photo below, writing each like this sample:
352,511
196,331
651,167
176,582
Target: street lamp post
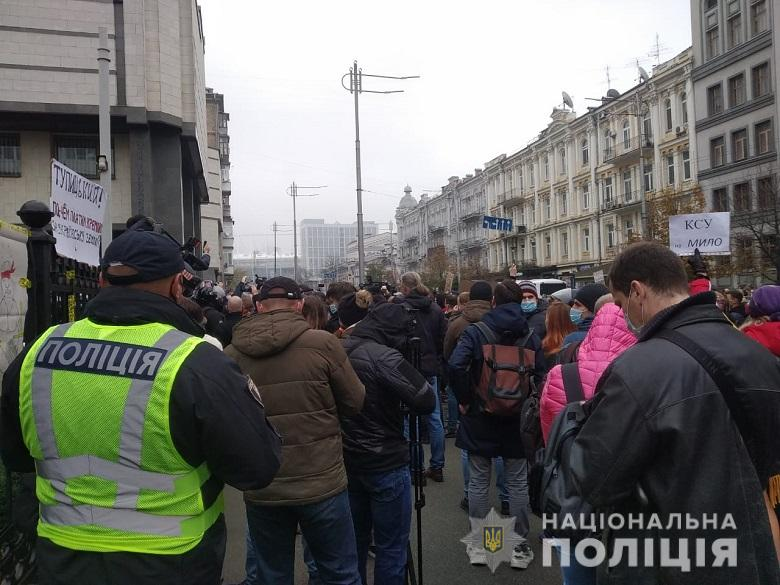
356,88
292,191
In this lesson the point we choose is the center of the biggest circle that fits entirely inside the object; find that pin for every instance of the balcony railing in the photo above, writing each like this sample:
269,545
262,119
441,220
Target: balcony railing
473,214
624,150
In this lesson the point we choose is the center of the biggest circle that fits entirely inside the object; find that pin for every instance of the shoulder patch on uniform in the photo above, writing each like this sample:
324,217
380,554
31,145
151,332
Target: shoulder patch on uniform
254,391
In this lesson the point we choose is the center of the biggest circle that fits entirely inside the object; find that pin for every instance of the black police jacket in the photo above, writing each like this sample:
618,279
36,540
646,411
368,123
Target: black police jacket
213,418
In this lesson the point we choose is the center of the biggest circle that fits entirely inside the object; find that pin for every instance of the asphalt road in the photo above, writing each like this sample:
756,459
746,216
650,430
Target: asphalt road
444,524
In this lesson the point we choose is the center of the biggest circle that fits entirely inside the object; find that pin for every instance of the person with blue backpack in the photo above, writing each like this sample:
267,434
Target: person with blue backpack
491,400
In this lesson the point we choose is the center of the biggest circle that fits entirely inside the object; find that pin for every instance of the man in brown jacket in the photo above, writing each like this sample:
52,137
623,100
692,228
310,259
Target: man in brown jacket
307,384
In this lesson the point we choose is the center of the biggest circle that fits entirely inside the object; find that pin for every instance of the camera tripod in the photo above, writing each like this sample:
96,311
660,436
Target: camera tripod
416,459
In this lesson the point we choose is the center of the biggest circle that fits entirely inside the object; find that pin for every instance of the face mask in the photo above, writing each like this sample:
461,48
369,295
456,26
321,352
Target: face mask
575,315
528,306
631,327
333,308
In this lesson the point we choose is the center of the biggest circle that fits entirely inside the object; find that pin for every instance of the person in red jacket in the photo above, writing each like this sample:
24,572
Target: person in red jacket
764,323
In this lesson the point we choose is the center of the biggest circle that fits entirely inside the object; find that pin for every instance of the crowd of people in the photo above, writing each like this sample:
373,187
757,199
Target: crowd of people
301,399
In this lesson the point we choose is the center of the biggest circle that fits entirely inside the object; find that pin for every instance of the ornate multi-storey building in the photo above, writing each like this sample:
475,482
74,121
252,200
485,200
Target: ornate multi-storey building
576,194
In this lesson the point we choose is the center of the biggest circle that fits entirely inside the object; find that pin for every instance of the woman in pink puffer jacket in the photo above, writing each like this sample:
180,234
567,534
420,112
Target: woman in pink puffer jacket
607,338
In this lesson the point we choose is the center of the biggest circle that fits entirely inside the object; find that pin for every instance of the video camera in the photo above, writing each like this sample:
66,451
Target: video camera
149,224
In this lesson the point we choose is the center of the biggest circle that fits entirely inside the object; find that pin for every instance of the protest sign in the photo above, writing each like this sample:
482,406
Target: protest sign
709,232
78,205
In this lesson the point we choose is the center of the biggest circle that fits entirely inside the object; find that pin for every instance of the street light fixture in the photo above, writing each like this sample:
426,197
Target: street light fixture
292,191
356,88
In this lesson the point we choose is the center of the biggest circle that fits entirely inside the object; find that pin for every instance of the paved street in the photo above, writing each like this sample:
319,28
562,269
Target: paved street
444,524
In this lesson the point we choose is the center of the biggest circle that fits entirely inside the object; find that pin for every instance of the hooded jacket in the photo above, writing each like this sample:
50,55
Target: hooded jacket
607,338
432,327
659,421
213,418
473,311
767,334
307,384
480,433
575,336
374,438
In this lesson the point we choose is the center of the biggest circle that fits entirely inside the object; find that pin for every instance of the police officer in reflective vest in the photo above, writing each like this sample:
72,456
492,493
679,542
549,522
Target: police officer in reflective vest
132,425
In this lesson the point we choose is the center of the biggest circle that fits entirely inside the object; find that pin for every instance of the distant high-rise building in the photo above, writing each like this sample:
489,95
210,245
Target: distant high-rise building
323,245
216,219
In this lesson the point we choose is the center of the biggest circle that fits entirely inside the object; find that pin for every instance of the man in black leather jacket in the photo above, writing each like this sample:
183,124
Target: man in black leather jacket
376,454
662,439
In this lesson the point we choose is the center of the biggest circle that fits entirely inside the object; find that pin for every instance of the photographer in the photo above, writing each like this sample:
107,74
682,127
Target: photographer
376,454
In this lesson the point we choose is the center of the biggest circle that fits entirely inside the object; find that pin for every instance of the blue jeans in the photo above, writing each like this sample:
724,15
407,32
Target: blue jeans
575,573
435,430
251,561
382,502
327,528
500,485
453,414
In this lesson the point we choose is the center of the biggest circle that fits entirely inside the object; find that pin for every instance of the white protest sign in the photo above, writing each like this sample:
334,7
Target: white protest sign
709,232
78,207
598,276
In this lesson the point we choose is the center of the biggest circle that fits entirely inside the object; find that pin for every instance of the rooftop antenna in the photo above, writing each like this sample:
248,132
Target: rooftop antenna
657,50
609,80
567,101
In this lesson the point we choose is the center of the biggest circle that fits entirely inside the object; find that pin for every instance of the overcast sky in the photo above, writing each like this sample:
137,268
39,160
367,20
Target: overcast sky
491,72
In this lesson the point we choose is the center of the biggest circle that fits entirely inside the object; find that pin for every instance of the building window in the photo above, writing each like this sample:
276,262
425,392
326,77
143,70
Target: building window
713,40
10,155
686,159
710,4
562,155
739,147
585,196
714,100
684,107
224,146
610,235
759,21
564,202
745,252
564,244
532,213
628,226
760,80
547,208
670,169
648,177
547,246
717,152
521,182
626,135
647,128
608,145
766,194
608,190
764,141
586,240
78,153
720,200
533,250
742,197
223,120
734,30
737,94
546,168
668,110
627,185
585,152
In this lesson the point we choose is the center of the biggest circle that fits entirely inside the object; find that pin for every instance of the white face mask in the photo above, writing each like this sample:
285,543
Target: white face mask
631,327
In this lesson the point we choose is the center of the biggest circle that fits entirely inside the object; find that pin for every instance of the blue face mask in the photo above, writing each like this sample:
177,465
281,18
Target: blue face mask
575,315
528,306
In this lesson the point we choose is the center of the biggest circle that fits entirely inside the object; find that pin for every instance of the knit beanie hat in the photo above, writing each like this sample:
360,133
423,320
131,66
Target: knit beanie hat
589,294
353,307
528,286
481,291
765,302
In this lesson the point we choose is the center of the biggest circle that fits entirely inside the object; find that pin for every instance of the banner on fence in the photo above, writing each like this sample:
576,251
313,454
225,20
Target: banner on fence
709,232
13,291
78,207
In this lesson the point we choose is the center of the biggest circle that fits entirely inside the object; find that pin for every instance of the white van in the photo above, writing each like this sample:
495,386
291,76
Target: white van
546,286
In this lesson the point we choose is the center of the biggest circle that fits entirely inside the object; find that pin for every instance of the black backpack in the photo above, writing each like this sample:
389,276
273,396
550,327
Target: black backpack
550,488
